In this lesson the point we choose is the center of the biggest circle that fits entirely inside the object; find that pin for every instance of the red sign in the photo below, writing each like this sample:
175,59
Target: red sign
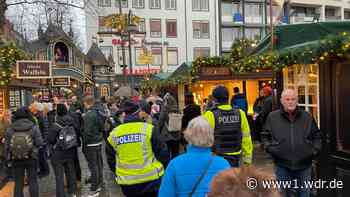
121,42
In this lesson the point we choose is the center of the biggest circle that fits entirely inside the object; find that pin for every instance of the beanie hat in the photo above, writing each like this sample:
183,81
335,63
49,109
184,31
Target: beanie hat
220,93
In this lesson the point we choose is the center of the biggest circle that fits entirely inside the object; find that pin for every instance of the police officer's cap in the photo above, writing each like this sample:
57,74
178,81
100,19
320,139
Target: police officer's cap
220,92
129,107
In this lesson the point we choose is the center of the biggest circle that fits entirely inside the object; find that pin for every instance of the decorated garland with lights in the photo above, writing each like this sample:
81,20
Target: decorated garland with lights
331,47
9,54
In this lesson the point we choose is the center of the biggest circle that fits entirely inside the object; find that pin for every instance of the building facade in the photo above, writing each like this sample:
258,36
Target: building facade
172,31
251,18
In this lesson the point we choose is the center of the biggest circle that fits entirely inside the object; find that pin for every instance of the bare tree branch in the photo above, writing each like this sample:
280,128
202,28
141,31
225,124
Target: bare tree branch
58,2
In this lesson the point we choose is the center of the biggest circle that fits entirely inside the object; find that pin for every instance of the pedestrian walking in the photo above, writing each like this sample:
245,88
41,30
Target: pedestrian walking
231,129
37,110
92,136
239,100
190,174
63,151
170,135
190,111
293,139
245,181
136,145
22,143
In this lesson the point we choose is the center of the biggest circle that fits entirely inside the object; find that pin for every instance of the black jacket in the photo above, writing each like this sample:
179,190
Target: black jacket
292,144
57,153
42,123
190,111
23,125
93,131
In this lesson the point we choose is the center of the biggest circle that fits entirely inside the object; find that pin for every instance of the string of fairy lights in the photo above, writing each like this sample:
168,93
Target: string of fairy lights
9,54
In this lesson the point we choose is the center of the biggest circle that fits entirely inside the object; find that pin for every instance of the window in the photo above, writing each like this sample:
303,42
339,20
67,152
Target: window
138,3
156,28
157,56
200,5
201,52
304,80
229,35
330,12
142,25
101,25
252,33
154,4
107,51
172,57
170,4
124,3
104,3
346,15
200,29
253,13
171,28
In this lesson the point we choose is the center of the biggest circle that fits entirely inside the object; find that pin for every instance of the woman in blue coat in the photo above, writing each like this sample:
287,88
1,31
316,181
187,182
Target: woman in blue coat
190,174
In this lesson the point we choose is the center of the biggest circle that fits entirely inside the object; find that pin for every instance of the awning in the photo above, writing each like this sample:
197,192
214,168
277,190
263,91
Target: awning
295,34
183,70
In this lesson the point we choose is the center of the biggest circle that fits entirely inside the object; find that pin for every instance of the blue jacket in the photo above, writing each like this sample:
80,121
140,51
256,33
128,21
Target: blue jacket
183,172
240,101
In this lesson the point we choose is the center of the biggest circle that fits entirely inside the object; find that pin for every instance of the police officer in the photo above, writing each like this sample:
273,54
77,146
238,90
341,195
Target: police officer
136,147
231,129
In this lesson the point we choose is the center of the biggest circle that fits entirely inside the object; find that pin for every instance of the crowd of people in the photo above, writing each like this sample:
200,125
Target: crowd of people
154,148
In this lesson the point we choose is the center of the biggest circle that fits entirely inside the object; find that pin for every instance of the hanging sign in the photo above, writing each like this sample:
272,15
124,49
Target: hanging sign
33,69
61,81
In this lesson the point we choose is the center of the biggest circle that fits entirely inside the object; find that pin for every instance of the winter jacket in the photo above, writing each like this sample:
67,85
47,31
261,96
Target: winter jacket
23,125
93,132
292,143
240,101
183,172
54,130
157,144
169,107
42,125
190,111
265,110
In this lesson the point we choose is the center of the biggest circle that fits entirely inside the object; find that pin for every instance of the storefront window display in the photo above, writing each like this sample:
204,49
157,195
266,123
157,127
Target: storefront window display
304,80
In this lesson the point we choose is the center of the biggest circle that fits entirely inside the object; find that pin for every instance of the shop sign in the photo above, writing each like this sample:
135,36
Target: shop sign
215,71
61,81
33,69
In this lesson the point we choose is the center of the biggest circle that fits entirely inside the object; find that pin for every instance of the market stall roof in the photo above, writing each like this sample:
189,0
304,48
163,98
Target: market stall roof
304,34
162,75
182,70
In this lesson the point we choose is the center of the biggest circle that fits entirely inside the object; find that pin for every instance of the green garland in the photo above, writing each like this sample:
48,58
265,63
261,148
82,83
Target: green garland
333,46
9,54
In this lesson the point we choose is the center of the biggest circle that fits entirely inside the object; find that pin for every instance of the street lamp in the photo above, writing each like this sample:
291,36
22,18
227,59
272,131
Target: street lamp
131,28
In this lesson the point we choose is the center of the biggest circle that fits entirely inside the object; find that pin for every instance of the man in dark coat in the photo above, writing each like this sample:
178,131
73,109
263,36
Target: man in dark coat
293,139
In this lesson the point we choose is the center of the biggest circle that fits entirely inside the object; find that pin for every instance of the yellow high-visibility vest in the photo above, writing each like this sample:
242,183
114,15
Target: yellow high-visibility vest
135,160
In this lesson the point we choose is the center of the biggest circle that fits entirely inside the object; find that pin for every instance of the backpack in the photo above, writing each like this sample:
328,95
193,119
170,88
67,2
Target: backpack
175,122
67,137
21,144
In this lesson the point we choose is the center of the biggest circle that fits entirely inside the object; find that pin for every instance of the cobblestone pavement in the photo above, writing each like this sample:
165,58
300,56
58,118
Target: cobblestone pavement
47,184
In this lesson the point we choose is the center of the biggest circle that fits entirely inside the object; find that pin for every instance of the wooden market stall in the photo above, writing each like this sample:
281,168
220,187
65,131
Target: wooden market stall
314,59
